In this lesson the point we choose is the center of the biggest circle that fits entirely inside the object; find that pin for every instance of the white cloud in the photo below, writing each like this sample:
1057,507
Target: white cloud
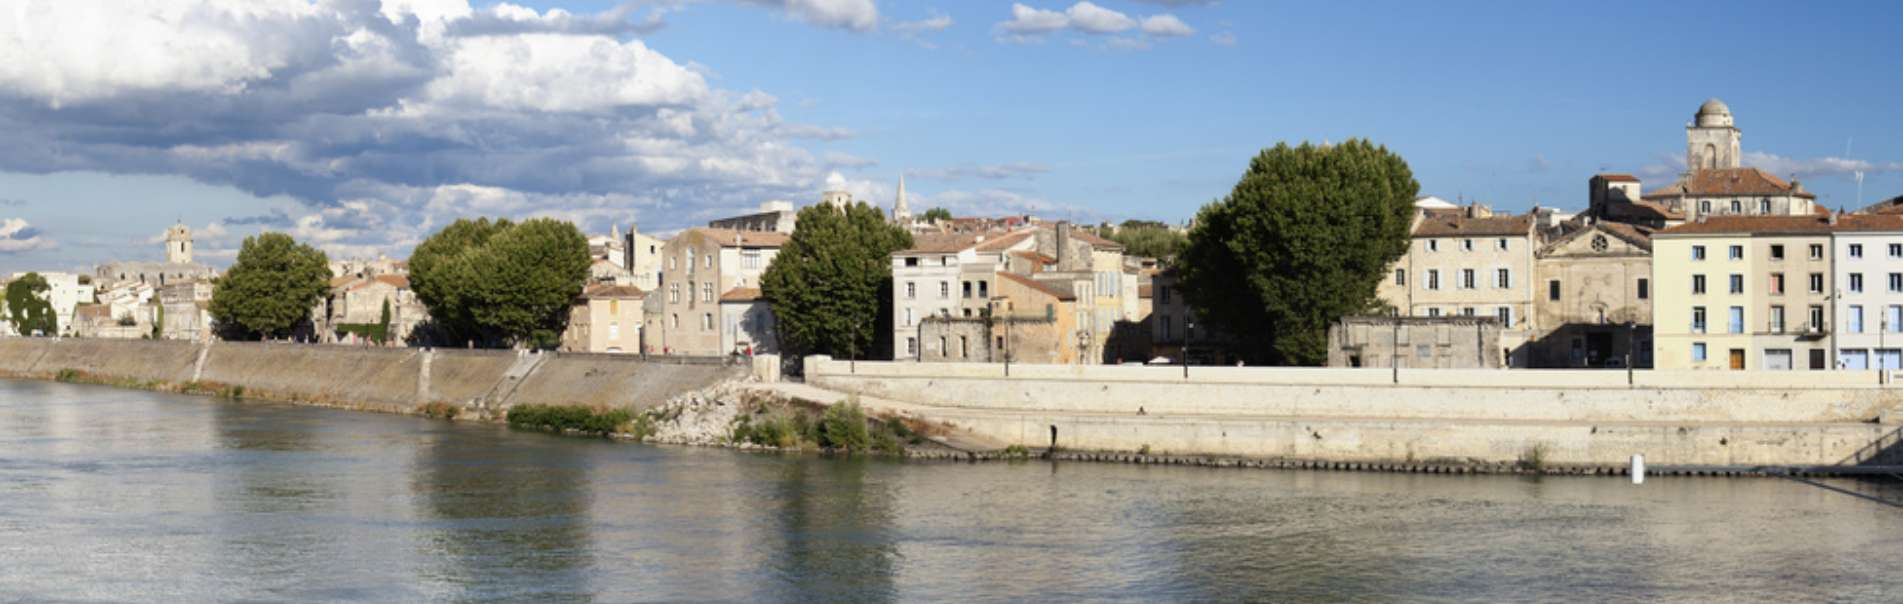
1817,166
937,22
1166,26
1181,2
1001,202
1030,25
1024,170
854,15
1223,39
560,73
16,236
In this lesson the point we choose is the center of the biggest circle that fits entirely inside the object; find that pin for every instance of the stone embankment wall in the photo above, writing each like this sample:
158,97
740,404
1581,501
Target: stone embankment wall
1492,416
382,379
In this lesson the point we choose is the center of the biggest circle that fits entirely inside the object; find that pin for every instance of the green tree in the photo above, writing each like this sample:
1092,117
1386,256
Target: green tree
1148,238
501,282
937,214
271,289
27,306
1303,239
832,280
158,321
383,324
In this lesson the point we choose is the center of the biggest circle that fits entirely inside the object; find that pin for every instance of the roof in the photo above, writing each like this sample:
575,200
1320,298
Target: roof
336,282
1045,288
1638,236
609,290
1788,225
741,294
84,312
1728,181
940,243
1617,177
1893,205
1643,210
1041,258
1003,242
1443,225
735,238
1146,291
1094,240
396,281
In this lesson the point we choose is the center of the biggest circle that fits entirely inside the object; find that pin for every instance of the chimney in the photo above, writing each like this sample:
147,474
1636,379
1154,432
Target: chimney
1063,244
1832,221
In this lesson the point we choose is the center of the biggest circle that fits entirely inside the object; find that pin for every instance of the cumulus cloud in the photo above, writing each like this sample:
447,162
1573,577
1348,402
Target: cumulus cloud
1816,166
388,121
1002,202
1181,2
1030,25
936,22
16,236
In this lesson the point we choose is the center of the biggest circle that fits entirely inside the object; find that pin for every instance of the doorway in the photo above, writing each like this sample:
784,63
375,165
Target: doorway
1737,358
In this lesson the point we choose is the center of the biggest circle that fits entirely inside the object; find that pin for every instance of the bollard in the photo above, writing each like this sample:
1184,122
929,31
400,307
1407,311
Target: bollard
1638,468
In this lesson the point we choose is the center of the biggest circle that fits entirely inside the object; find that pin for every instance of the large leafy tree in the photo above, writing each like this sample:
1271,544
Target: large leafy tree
271,289
937,215
501,282
27,307
1304,239
1148,238
832,281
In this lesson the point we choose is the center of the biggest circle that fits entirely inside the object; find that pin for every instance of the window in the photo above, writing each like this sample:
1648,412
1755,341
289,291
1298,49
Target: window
911,262
944,290
911,346
1552,289
1896,282
674,321
1433,279
1853,319
707,261
707,321
1166,328
1896,250
1737,207
1698,319
1466,278
1467,245
1734,320
943,348
1816,251
1816,318
1856,250
1736,252
1502,244
751,259
1698,284
968,291
1764,206
1645,288
1163,292
964,347
1698,252
1433,245
1777,284
673,293
911,290
1737,284
1467,311
707,291
908,317
1698,352
1503,278
1777,252
1433,312
1777,319
1893,319
1400,276
1704,206
1856,282
1816,283
689,261
984,289
944,260
1506,316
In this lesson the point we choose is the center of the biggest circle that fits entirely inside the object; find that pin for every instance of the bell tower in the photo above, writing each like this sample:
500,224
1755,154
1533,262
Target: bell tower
1711,140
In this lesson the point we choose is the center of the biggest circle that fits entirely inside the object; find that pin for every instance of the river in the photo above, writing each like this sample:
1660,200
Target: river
117,495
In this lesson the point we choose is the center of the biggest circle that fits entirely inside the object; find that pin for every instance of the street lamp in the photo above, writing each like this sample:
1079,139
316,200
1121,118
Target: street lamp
1189,329
1631,339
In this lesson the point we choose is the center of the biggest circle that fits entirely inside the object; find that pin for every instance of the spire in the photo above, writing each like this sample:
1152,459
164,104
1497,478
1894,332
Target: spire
900,211
614,231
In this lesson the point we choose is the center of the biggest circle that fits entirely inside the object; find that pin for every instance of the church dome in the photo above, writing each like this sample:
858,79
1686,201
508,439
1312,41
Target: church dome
1713,113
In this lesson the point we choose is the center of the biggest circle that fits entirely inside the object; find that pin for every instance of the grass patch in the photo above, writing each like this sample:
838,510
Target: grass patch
441,410
568,418
1535,457
1017,452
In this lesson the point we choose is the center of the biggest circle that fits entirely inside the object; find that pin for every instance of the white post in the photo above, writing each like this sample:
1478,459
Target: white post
1638,468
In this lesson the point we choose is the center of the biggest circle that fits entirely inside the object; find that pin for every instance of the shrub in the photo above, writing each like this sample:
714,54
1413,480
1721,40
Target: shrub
1144,450
69,375
442,410
843,426
1017,452
564,418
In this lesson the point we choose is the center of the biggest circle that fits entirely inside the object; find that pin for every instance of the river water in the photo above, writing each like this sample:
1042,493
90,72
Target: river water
115,495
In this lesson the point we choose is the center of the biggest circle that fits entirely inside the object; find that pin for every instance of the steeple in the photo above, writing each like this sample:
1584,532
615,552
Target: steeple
901,213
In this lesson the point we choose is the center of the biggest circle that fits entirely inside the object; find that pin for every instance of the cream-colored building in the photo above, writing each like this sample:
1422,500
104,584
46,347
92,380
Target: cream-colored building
1593,297
606,318
1743,292
700,267
642,258
1469,262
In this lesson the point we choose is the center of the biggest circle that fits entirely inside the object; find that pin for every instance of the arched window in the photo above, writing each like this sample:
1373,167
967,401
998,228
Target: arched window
1737,207
1764,206
1711,156
1704,207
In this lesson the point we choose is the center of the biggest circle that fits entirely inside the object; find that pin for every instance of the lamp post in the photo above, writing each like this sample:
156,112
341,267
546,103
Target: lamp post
1394,350
852,348
1189,328
1631,339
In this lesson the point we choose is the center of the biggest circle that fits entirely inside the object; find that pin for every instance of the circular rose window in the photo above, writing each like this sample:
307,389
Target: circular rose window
1599,243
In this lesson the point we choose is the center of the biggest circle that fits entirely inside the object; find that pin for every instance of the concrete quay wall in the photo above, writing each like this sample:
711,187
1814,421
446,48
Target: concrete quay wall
397,380
1349,415
1532,395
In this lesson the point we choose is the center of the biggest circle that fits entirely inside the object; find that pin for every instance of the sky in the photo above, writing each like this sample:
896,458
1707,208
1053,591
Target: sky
362,126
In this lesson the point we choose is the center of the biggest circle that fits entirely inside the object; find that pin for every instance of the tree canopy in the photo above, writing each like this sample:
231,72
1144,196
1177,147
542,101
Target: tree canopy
937,214
27,307
501,282
832,280
271,289
1304,238
1147,238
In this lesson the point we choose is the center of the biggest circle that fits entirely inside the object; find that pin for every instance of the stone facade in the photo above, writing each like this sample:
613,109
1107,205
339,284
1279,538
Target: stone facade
1593,299
1416,342
700,267
1471,263
606,318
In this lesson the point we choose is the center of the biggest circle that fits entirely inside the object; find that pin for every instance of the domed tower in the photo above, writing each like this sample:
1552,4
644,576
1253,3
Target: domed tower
835,194
1711,140
178,244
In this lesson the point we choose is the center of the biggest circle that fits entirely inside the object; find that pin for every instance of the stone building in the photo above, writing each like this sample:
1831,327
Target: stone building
606,318
947,275
1173,326
1865,322
701,267
642,258
1469,262
1445,342
773,217
355,304
1715,182
1593,302
178,264
1744,292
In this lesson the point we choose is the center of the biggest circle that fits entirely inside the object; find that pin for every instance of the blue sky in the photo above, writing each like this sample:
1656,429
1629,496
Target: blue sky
362,128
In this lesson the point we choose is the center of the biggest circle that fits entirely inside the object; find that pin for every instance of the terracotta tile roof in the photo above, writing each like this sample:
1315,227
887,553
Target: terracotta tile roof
741,294
1146,291
1003,242
1442,225
1787,225
733,238
1041,258
1045,288
609,290
1728,181
1617,177
92,312
397,281
1638,236
940,243
1094,240
336,282
1893,205
1643,210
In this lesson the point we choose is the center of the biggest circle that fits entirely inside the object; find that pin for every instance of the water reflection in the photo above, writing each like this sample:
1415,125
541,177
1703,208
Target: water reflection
508,521
835,541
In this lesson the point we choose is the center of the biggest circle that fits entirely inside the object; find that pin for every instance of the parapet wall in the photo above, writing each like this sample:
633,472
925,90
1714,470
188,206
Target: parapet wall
383,379
1517,395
